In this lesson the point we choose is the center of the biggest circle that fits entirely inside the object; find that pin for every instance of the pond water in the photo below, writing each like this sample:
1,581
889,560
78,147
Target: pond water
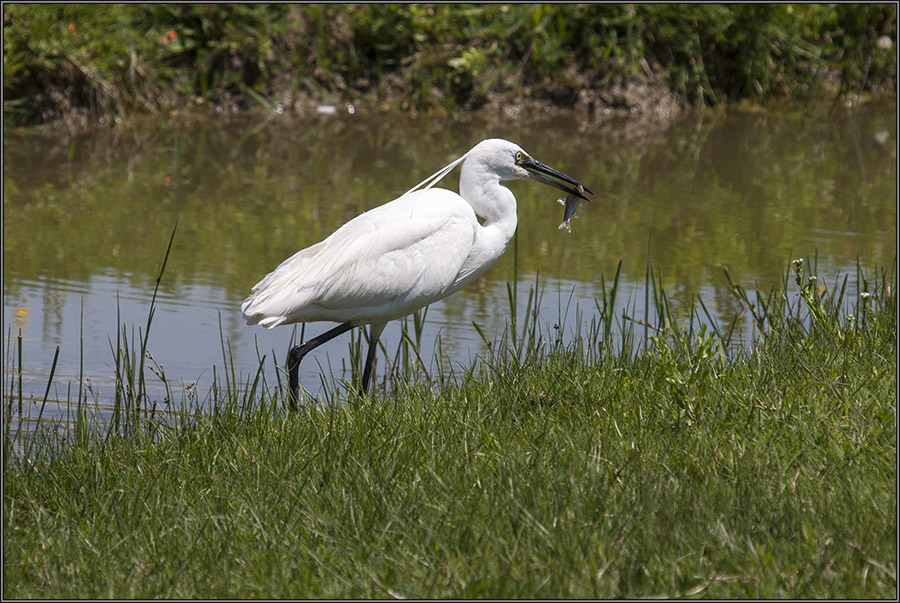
87,219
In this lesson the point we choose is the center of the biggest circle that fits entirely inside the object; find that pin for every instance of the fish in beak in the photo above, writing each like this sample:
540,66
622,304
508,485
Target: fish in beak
574,190
572,203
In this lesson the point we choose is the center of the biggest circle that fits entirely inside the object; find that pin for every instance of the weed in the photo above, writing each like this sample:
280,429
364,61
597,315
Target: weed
111,61
675,465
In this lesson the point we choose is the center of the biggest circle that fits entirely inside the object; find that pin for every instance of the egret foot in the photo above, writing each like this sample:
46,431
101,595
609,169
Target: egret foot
298,352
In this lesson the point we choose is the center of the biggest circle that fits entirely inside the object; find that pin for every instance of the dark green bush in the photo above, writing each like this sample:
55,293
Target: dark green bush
113,59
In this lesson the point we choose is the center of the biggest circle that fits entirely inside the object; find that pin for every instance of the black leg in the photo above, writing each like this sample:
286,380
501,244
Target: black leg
298,352
374,333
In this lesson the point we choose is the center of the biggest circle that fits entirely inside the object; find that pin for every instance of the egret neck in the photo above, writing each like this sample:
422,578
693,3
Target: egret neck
495,204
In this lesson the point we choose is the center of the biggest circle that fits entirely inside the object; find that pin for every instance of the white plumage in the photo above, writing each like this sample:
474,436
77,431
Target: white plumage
401,256
381,265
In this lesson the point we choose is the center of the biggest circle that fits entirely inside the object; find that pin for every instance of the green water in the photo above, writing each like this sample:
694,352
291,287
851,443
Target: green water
87,218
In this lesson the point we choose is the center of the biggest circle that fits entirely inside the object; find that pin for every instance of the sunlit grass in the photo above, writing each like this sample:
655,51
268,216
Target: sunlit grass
610,464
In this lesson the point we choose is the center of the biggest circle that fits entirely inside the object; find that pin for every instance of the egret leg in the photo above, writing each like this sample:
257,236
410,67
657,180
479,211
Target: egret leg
298,352
374,333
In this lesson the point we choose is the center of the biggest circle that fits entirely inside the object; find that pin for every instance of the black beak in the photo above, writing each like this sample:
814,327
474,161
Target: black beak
537,171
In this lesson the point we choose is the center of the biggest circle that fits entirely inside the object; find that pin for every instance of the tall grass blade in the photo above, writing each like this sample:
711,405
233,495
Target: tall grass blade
43,401
144,339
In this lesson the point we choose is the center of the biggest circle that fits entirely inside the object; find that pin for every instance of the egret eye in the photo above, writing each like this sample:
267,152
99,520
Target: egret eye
519,156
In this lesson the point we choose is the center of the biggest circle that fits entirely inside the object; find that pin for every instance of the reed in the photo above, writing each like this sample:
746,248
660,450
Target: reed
645,454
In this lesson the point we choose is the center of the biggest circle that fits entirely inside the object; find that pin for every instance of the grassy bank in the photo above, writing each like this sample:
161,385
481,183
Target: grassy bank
65,61
549,469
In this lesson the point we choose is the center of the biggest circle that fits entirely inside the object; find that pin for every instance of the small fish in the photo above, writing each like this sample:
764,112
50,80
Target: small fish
572,203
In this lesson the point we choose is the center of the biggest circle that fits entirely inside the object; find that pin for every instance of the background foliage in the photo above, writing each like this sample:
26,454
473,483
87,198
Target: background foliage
115,59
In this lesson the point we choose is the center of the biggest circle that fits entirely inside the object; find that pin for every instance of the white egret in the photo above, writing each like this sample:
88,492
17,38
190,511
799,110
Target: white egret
401,256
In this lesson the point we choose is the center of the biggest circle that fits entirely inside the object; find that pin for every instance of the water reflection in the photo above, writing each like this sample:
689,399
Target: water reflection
87,217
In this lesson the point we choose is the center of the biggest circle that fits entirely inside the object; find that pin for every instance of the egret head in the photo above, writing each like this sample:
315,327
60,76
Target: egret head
511,162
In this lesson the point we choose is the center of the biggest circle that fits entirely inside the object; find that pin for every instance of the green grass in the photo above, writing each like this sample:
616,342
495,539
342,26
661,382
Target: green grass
697,467
114,60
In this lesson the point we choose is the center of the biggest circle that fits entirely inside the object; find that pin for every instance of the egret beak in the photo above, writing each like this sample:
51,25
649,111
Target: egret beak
537,170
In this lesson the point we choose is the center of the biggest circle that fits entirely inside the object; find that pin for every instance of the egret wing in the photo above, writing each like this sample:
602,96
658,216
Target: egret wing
383,264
